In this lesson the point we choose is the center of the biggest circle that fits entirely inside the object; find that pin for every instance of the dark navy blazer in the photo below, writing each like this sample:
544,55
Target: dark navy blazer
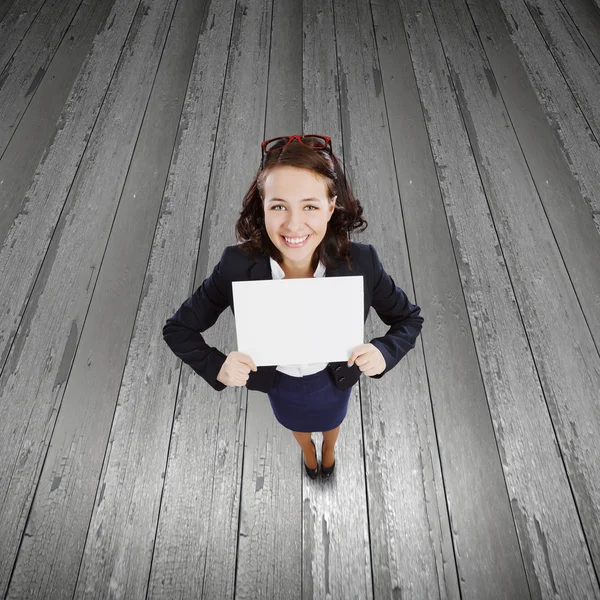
182,331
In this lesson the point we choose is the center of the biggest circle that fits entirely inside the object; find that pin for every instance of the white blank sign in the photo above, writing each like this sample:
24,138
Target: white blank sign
299,321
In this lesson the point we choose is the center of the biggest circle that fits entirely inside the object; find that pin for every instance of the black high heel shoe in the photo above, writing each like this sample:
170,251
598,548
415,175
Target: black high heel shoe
326,471
312,473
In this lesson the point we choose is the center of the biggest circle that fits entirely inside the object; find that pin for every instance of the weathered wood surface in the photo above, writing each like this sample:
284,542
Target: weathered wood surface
4,8
586,17
36,131
28,239
16,21
578,143
513,233
194,550
28,65
573,56
474,484
566,210
38,364
480,183
50,554
554,163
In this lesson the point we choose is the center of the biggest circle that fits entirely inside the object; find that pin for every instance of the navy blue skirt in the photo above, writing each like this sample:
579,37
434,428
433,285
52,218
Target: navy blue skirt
309,403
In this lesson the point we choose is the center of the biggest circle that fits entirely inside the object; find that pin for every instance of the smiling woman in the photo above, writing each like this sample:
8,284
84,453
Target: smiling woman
294,223
298,211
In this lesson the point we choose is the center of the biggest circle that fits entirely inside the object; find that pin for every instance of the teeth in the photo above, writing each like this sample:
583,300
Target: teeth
295,240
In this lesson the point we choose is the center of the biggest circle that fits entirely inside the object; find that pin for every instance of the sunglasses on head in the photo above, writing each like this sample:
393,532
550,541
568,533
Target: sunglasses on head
309,140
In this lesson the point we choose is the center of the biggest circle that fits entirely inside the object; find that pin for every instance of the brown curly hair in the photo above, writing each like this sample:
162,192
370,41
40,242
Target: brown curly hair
250,229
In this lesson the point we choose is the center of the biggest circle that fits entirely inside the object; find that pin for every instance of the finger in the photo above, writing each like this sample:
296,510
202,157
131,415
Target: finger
353,356
367,365
362,360
356,352
247,360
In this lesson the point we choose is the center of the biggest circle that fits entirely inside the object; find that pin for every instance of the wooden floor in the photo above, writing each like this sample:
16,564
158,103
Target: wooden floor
129,132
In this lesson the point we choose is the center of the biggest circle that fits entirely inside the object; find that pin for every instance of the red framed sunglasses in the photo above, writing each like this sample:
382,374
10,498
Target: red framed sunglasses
310,140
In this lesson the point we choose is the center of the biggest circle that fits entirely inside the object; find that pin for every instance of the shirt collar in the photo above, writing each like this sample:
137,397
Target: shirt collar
278,273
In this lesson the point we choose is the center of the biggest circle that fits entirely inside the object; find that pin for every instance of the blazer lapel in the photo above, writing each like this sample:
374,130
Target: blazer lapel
261,269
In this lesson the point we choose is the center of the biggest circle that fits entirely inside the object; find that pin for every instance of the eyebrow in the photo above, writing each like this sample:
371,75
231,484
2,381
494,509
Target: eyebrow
303,200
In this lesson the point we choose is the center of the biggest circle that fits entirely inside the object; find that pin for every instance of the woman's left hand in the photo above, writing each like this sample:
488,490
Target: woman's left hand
368,359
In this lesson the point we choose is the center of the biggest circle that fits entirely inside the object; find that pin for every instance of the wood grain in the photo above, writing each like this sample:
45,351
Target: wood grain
28,65
50,554
35,132
502,231
38,365
16,21
571,53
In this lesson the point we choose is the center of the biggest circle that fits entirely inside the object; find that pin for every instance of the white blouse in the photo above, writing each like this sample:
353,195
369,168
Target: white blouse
304,369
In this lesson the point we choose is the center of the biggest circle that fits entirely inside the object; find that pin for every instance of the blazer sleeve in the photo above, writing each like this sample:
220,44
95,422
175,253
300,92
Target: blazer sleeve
394,309
182,331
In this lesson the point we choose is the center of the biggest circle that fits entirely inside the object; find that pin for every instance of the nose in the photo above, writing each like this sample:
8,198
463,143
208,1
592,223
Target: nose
295,221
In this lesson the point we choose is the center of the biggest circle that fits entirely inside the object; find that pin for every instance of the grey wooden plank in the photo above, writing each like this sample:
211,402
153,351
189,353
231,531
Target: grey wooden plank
401,455
130,490
29,63
27,241
586,17
38,126
578,143
473,479
556,557
14,26
269,563
33,382
563,201
5,7
574,57
54,538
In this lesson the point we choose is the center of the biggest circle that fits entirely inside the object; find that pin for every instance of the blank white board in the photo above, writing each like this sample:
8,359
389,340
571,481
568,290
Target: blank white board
299,321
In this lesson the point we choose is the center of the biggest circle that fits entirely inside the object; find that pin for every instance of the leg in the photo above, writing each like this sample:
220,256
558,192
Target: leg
310,454
330,438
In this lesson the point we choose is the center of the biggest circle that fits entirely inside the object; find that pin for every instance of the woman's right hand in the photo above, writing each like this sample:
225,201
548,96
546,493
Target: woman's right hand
236,369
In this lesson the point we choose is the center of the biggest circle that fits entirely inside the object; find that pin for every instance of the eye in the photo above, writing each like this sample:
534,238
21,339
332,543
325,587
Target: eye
307,206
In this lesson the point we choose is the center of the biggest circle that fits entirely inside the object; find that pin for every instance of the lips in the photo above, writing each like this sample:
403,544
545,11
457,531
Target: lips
300,245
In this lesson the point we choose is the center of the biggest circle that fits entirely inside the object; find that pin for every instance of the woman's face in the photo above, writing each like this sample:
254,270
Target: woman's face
296,206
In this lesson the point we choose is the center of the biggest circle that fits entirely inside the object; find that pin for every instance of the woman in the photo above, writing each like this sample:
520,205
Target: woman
294,222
